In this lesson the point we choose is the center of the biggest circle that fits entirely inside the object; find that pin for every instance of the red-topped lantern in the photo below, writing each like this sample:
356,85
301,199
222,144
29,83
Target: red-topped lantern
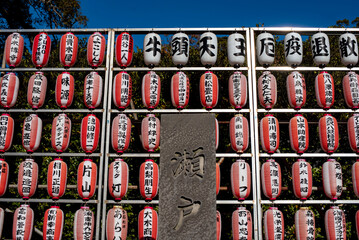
218,178
53,223
335,225
267,90
351,89
353,132
23,223
90,133
149,178
121,133
304,224
68,49
56,178
324,90
328,133
296,90
273,224
241,179
14,47
27,178
86,179
355,177
147,224
31,133
150,131
6,132
151,90
64,90
269,133
36,91
298,133
237,88
180,90
93,90
116,223
122,90
219,225
4,176
271,178
302,179
118,179
61,133
332,179
9,88
41,49
242,224
124,49
84,224
96,49
208,90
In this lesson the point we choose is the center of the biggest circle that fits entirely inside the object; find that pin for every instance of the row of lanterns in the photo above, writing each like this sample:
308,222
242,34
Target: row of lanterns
117,223
208,47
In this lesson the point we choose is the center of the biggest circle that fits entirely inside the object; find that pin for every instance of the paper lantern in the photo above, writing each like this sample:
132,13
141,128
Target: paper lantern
64,91
122,90
332,179
151,90
118,179
23,223
86,179
348,49
152,49
84,224
9,88
241,179
93,90
150,131
239,133
31,133
56,178
304,224
219,224
293,49
180,90
351,89
124,49
36,90
53,223
116,223
271,179
41,49
299,133
357,222
273,224
353,132
242,224
236,49
180,49
121,133
328,133
14,47
6,132
296,90
355,177
237,88
302,179
324,90
218,178
90,133
208,90
2,213
27,178
96,49
208,48
147,224
61,133
335,225
265,49
269,133
320,49
216,133
68,49
149,179
4,176
267,90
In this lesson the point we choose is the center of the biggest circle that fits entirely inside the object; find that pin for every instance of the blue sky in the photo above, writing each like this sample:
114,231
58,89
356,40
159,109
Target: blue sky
223,13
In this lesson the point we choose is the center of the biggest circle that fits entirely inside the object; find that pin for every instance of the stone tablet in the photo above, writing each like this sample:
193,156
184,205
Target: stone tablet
187,187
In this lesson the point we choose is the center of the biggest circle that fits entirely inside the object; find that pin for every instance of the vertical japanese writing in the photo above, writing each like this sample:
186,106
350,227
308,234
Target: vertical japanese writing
36,89
298,87
147,223
301,131
339,178
237,87
310,225
274,176
117,177
148,178
96,48
87,225
303,178
243,179
277,222
125,46
65,88
242,224
119,223
266,89
14,47
3,130
90,133
51,224
27,131
41,48
356,129
208,88
86,178
272,126
182,87
125,90
20,223
56,178
152,132
354,87
4,88
122,131
330,132
328,85
69,48
238,132
27,177
339,224
60,128
153,88
89,88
